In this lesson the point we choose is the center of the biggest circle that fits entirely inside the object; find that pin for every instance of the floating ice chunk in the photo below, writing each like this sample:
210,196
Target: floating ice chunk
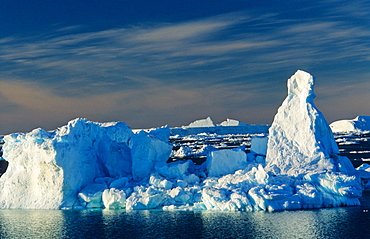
260,159
114,198
344,165
91,195
256,196
280,197
225,161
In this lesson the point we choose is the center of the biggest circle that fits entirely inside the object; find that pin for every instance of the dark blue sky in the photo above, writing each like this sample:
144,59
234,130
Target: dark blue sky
152,63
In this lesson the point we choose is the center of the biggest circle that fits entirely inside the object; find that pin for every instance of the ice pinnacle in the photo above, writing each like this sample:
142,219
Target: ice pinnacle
300,139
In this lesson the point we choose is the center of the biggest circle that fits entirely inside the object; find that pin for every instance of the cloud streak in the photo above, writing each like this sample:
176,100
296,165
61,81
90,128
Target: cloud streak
160,50
222,65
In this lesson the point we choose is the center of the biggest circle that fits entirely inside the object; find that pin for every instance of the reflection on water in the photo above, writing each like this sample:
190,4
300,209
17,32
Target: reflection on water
349,222
31,224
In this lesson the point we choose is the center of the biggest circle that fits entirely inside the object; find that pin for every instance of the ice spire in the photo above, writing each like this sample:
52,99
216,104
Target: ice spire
300,139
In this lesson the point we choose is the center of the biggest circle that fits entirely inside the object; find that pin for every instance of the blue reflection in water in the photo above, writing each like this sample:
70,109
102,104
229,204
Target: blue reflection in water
349,222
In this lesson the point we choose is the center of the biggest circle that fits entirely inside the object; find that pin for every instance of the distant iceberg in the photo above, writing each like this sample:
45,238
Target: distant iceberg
229,126
202,123
359,124
108,165
232,122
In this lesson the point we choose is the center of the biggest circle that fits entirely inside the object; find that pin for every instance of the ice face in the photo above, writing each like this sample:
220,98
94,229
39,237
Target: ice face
148,150
49,169
224,162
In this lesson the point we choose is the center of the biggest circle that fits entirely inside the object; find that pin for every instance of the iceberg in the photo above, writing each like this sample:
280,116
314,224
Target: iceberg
232,122
48,170
359,124
88,164
300,139
202,123
301,145
229,126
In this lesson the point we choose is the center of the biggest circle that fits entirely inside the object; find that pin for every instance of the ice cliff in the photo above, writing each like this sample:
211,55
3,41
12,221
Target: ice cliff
106,165
49,169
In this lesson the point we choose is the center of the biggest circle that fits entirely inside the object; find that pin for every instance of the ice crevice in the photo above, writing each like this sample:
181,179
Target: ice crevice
88,164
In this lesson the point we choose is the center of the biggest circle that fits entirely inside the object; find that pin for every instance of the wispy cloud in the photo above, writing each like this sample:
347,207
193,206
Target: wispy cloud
179,32
163,50
214,65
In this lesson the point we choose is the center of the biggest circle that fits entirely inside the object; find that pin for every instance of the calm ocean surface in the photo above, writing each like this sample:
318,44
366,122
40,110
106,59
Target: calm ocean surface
348,222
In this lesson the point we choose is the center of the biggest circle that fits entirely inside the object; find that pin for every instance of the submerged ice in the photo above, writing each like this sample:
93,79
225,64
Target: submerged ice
108,165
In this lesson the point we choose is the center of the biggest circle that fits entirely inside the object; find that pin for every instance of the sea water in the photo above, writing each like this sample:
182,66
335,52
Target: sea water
345,222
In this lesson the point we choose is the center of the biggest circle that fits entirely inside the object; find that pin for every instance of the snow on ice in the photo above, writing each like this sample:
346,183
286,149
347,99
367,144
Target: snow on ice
108,165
